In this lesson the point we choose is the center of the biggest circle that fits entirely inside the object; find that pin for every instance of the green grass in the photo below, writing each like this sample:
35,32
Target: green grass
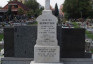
91,51
75,25
1,36
0,49
33,24
89,34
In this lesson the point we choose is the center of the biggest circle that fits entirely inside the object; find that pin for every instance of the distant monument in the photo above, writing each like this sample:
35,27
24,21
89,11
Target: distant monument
46,50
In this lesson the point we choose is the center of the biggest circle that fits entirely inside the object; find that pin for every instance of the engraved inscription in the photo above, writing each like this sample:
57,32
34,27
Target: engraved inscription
47,30
47,52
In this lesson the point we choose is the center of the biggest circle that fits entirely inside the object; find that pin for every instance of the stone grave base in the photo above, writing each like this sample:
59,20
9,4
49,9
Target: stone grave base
32,62
46,54
63,60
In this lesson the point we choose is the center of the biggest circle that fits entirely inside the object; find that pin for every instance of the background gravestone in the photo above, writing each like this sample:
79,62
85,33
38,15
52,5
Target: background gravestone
73,43
9,42
24,41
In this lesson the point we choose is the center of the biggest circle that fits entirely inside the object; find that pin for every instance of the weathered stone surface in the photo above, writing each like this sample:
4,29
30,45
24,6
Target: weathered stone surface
44,63
47,4
64,60
46,49
46,54
47,29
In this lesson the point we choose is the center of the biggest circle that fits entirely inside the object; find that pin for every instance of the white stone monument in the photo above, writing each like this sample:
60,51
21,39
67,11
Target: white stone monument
46,50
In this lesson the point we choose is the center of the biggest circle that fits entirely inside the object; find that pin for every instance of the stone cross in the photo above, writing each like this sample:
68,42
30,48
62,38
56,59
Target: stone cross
47,4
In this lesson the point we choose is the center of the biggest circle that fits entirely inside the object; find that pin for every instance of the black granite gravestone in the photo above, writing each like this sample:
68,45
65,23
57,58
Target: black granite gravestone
73,43
20,41
24,41
9,42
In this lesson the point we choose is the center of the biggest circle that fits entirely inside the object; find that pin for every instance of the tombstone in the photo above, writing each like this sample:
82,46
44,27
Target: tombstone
73,43
9,42
24,41
46,50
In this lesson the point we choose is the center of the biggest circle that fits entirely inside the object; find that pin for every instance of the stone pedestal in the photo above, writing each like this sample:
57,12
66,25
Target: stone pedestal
46,50
46,54
44,63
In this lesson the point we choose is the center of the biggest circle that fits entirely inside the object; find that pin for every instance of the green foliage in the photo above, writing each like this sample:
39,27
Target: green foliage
0,49
32,4
34,8
9,12
89,34
20,11
35,23
75,25
38,12
56,12
92,51
1,36
30,13
76,8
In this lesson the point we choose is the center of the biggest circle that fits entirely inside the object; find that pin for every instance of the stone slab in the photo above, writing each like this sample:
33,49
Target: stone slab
63,60
73,43
9,42
24,41
32,62
46,54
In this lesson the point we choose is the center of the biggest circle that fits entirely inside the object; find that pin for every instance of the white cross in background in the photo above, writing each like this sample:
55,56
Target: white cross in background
47,4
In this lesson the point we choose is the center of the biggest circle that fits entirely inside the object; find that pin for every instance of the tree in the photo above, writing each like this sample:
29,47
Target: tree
30,13
32,4
76,8
9,13
56,12
20,11
9,10
34,8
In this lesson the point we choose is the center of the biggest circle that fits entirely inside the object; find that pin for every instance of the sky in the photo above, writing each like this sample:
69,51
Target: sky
42,2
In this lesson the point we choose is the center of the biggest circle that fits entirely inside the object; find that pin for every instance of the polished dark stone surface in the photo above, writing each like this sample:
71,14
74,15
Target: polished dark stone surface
20,41
24,41
9,42
73,43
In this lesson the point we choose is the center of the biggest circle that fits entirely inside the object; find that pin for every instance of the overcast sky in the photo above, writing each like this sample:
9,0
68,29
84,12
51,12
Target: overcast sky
42,2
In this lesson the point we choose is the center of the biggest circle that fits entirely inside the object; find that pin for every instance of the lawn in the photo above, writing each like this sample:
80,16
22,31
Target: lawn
91,51
89,35
0,49
75,25
1,36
